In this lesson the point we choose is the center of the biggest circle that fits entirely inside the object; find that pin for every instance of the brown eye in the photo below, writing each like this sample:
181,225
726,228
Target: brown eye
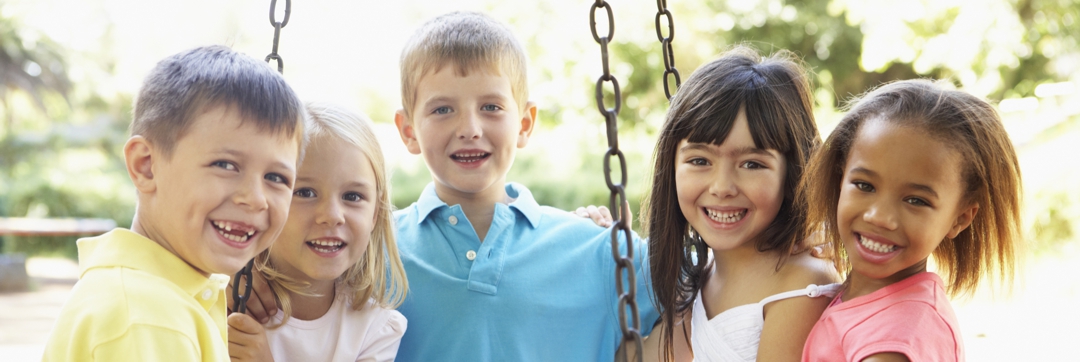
304,193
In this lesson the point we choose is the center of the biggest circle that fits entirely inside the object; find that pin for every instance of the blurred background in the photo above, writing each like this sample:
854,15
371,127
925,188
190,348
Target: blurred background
70,69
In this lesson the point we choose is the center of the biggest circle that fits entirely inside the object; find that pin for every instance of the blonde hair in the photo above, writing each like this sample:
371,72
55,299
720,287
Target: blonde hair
469,42
991,173
379,274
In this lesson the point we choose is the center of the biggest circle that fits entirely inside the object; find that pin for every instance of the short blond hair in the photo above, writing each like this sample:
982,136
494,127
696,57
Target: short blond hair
379,275
468,41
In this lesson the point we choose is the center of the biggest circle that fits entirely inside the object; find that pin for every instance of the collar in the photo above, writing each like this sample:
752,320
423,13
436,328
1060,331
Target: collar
125,248
523,202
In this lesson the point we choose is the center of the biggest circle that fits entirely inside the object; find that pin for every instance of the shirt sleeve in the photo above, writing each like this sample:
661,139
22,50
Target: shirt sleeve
384,341
148,343
912,328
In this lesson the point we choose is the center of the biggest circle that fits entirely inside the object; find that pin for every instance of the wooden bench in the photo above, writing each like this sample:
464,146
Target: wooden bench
13,277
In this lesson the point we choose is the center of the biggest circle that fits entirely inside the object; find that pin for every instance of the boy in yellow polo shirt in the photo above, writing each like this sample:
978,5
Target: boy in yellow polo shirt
214,144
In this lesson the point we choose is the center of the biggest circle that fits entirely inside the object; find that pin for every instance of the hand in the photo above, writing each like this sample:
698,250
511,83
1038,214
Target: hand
261,303
247,339
819,247
599,215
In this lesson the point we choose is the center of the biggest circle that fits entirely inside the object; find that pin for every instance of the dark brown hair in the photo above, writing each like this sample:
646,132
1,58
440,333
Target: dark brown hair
183,85
775,93
991,172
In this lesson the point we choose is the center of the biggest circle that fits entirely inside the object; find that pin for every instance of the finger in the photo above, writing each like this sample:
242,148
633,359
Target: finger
263,297
244,323
629,214
594,214
606,214
580,211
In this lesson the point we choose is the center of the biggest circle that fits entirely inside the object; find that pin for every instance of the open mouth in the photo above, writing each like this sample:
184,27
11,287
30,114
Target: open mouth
470,157
326,246
233,231
875,246
726,217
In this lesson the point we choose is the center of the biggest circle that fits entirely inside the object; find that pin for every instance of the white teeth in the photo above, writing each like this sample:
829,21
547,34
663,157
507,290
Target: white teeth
223,229
726,216
327,246
875,246
236,238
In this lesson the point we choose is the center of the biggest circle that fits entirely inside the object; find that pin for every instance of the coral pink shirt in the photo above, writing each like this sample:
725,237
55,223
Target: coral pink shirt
912,317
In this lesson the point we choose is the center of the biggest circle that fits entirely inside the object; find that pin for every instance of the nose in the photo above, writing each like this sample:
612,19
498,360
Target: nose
469,128
251,194
881,214
724,184
329,212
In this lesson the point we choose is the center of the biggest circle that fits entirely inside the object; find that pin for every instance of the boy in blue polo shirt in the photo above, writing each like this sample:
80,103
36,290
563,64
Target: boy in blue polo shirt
493,276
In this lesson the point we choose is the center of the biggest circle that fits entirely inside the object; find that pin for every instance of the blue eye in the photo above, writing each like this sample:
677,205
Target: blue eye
441,110
490,108
277,178
863,186
352,196
306,193
224,164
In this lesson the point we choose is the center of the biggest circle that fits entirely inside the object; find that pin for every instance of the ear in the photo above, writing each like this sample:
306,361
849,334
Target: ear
528,123
963,220
406,131
139,156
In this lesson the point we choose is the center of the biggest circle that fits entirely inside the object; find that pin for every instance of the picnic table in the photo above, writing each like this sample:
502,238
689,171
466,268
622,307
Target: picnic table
13,275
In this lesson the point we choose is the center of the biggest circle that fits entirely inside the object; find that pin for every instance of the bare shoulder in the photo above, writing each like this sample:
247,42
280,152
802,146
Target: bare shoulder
803,269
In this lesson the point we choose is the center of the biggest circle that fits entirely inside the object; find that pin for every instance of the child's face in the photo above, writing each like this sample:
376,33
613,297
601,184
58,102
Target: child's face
467,128
332,215
224,195
729,193
901,196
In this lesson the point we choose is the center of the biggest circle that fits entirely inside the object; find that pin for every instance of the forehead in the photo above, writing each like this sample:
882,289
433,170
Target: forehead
904,153
223,127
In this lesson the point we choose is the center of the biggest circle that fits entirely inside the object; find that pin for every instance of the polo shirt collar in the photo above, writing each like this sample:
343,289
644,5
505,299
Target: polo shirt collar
524,202
125,248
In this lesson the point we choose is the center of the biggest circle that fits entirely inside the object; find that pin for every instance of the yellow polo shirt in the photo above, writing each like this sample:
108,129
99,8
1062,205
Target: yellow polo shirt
136,301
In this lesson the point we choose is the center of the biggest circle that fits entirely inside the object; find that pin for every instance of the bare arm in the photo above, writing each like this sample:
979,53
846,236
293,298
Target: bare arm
787,324
681,332
887,357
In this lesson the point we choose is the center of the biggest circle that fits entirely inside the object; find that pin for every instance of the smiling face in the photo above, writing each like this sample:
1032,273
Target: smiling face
729,193
468,129
332,215
223,196
901,195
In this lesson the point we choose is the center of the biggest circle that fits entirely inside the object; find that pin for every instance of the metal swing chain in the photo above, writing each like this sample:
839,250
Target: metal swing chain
665,46
624,264
240,299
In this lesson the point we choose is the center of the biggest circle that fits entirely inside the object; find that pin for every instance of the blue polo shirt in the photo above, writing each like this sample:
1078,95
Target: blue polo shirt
541,287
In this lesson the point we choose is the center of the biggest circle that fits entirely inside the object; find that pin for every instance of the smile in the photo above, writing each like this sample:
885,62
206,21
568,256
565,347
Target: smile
233,231
326,246
469,157
726,217
875,246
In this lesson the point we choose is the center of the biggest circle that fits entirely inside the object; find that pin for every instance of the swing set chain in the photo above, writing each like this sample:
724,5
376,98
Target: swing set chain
277,31
665,46
624,264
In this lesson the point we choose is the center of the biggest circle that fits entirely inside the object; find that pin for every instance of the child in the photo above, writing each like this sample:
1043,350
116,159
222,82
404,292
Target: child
213,150
335,269
493,276
912,170
728,160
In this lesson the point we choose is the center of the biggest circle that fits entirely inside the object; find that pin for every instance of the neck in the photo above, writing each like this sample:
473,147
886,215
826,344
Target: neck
478,207
149,232
738,261
311,307
859,284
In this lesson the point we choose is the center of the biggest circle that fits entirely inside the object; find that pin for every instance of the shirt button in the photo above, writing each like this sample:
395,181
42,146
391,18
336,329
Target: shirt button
471,255
453,220
206,294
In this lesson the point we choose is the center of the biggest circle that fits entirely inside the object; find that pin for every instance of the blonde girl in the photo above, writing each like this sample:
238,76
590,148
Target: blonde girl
730,274
335,269
913,170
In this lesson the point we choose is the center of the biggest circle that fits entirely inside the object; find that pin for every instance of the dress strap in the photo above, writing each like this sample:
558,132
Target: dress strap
812,291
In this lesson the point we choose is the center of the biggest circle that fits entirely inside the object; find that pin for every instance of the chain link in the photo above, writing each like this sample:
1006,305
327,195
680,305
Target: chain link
624,264
665,46
277,31
240,299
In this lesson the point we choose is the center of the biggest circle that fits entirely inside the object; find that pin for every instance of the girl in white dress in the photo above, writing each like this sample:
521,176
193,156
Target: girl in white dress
730,269
334,269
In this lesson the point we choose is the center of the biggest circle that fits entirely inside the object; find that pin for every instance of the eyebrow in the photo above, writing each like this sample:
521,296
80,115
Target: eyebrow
239,154
693,146
353,184
920,187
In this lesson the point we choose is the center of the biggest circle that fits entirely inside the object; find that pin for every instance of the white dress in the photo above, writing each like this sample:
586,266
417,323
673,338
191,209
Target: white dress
342,334
734,335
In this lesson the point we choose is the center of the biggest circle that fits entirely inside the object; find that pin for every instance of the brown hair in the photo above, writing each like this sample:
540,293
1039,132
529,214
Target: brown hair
379,274
467,41
775,93
183,85
991,173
